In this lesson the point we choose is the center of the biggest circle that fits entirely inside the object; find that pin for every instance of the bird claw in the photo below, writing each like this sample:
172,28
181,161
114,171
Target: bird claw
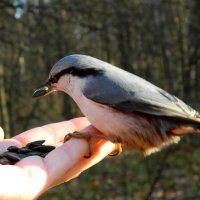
87,136
117,150
74,135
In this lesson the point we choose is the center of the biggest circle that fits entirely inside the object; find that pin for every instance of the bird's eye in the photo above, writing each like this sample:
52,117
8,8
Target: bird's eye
71,71
54,79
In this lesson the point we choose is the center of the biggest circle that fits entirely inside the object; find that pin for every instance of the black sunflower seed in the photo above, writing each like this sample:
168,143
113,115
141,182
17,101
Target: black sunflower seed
21,156
12,156
15,154
44,148
5,161
44,155
34,153
24,150
13,148
35,143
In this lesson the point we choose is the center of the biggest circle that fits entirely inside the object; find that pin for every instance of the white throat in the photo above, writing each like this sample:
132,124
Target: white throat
72,85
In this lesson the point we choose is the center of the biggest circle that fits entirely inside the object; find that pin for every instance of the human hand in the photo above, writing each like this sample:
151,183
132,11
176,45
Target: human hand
33,175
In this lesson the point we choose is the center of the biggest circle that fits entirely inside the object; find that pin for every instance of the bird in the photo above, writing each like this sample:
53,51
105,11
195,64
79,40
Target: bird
127,109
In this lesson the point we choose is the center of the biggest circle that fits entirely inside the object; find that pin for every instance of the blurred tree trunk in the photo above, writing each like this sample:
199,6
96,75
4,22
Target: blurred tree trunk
123,36
162,29
194,43
183,49
4,117
62,49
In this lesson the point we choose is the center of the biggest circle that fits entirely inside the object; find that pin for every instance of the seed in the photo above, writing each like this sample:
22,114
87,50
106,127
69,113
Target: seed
15,154
21,156
24,150
5,161
44,148
12,156
13,148
34,153
35,143
44,155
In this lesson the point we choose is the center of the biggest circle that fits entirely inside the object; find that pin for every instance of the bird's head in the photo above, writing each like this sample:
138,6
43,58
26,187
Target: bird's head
69,74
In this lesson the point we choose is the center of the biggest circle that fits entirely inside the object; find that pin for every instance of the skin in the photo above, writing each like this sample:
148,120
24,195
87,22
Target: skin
32,176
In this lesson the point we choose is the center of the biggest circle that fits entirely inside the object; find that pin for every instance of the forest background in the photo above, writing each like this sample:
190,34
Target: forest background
155,39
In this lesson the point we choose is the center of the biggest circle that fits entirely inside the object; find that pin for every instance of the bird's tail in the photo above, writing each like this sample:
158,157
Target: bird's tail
186,128
174,131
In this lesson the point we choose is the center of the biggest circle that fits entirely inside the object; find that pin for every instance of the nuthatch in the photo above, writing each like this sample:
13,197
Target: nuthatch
127,109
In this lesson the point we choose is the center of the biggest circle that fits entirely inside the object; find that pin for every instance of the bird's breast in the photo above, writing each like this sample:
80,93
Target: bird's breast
129,129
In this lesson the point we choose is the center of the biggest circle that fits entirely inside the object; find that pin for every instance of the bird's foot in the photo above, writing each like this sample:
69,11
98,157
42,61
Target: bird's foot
87,136
117,150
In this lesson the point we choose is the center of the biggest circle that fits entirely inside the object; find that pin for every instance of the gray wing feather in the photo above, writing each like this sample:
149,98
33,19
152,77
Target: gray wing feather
129,93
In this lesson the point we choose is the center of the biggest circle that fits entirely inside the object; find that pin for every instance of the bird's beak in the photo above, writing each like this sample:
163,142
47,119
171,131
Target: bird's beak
43,90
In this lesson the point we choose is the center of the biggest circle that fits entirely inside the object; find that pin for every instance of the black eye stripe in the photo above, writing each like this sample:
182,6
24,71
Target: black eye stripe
54,79
76,72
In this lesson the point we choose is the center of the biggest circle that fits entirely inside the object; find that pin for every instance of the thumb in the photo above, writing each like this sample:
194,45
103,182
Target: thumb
1,133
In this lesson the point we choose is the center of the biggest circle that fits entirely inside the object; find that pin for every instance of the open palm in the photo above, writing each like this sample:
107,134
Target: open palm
32,176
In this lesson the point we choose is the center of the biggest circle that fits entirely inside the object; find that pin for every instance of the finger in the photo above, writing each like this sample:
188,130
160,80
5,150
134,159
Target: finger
52,133
37,173
4,144
67,156
63,158
101,150
1,133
